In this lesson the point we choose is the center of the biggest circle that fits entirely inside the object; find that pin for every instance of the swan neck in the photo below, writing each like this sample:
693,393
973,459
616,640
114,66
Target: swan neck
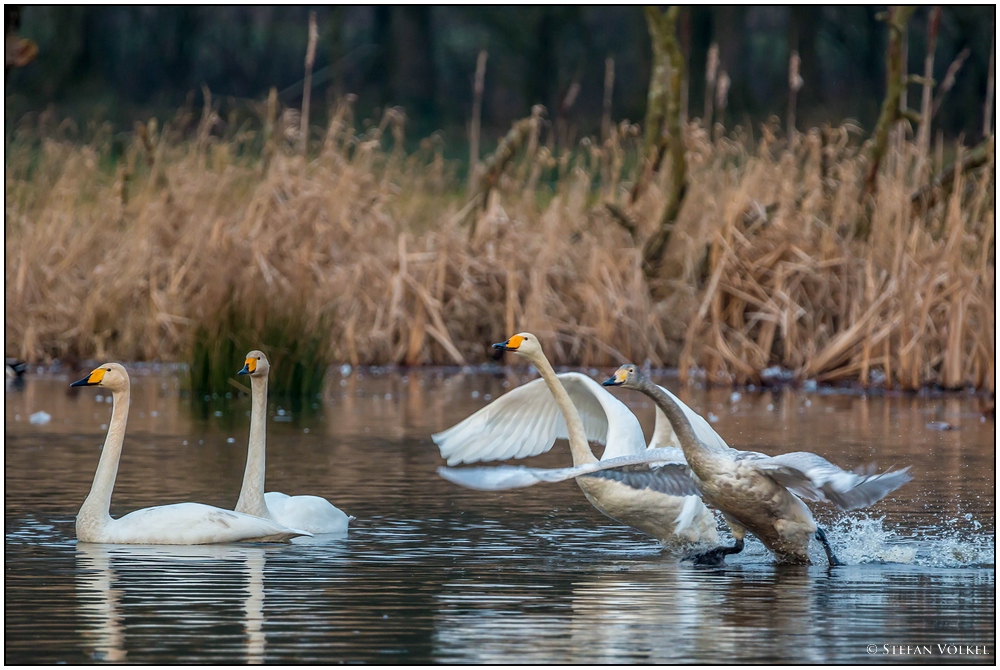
97,506
252,492
695,450
578,444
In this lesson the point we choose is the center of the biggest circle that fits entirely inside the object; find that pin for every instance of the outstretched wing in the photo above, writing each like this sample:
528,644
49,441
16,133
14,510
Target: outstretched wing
502,477
815,478
673,479
527,421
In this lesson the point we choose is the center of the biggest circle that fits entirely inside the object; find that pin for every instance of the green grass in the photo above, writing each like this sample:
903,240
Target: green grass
296,351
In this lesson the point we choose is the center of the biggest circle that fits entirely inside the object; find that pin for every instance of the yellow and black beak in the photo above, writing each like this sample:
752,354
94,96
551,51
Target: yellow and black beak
249,367
510,345
93,379
616,380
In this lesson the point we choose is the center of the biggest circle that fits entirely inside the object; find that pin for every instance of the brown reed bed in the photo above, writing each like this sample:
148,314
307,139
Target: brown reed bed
193,245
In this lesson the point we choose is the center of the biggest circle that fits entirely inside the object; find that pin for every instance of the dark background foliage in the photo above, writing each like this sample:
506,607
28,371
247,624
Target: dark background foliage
124,64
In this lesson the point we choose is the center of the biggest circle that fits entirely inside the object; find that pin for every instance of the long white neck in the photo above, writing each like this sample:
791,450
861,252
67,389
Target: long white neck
97,506
578,444
252,493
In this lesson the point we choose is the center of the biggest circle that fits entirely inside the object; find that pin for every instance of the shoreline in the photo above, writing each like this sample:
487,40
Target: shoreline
698,378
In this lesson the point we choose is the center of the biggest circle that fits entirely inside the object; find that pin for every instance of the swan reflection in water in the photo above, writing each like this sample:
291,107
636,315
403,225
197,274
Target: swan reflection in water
181,582
657,613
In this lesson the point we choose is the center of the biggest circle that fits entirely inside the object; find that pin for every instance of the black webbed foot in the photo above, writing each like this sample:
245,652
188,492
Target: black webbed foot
830,557
717,557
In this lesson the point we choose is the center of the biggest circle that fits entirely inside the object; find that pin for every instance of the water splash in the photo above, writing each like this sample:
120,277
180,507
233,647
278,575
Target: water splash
860,538
864,538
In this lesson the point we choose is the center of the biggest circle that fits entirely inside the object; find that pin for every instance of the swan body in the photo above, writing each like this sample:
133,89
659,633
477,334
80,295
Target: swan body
310,513
182,523
760,493
660,501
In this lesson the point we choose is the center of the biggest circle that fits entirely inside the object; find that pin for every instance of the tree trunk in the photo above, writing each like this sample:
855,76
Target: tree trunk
897,19
663,30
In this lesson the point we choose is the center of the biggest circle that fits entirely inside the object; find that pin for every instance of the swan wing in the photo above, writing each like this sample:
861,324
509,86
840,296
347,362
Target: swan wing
814,478
663,432
673,479
194,523
526,421
310,513
503,477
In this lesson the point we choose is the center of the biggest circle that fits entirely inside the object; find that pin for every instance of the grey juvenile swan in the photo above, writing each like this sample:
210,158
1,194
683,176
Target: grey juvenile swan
760,493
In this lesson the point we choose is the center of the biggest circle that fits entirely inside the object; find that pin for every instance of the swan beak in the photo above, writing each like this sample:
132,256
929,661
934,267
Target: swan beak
248,367
93,379
614,380
510,345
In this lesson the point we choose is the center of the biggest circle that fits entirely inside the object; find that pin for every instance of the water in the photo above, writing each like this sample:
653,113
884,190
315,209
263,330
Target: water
431,572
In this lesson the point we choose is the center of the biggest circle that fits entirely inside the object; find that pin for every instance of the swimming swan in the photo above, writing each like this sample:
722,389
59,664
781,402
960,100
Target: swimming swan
181,523
526,421
760,493
310,513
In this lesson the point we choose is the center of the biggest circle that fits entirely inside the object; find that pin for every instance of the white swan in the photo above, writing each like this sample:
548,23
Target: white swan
181,523
310,513
526,421
759,493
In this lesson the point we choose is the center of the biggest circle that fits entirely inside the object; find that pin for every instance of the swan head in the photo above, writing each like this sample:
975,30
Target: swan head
523,344
627,375
256,365
111,376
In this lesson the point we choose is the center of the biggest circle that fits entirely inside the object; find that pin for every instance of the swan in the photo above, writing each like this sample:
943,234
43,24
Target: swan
181,523
661,502
310,513
760,493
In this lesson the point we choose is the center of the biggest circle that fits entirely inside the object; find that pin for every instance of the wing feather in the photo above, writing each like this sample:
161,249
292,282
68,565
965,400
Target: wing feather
502,477
815,478
672,479
526,421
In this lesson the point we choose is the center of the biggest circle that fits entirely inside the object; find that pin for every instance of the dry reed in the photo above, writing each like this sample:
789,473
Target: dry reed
362,253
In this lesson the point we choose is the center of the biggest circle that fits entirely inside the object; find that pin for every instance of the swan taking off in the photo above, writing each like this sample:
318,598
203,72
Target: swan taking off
310,513
181,523
662,501
760,493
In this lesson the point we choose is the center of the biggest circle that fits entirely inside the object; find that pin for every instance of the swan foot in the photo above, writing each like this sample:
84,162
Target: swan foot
717,557
830,557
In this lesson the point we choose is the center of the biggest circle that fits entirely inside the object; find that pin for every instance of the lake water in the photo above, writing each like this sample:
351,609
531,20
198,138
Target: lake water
431,572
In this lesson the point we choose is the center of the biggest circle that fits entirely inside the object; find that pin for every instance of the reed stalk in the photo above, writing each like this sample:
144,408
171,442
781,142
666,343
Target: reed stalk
363,258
